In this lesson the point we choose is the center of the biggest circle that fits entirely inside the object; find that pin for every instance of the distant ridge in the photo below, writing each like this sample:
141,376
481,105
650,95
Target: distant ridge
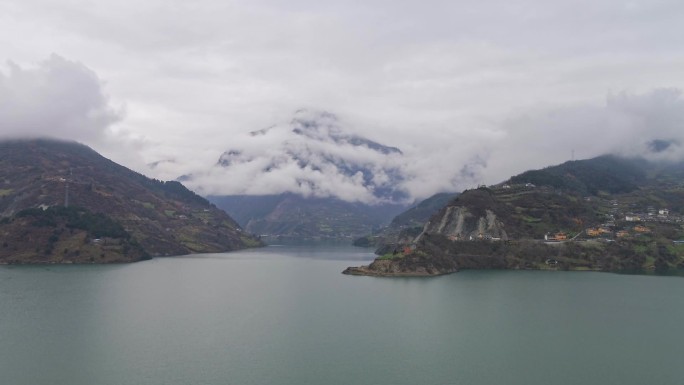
295,217
606,173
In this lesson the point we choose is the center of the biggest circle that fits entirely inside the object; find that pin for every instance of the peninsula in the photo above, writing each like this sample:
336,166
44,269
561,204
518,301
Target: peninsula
603,214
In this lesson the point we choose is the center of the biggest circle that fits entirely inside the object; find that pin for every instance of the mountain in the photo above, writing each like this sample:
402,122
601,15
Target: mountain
62,202
313,155
606,214
309,178
350,184
295,217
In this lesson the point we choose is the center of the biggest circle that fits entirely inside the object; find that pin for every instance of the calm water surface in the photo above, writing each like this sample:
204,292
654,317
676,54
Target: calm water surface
285,315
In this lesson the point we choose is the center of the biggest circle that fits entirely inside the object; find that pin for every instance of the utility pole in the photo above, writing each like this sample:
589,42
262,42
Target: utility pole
66,188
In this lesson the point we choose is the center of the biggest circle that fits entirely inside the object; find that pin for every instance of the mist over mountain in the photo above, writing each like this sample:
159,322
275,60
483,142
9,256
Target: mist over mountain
361,155
314,155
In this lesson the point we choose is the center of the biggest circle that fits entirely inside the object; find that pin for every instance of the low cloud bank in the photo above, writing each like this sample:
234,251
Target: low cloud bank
649,125
319,154
278,159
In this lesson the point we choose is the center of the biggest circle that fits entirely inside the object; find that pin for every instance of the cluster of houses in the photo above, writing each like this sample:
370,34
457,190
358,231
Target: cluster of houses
607,231
600,231
653,215
635,219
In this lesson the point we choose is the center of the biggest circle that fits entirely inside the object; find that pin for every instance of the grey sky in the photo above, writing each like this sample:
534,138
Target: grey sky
500,86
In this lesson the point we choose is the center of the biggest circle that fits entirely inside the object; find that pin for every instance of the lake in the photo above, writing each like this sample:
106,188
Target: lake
286,315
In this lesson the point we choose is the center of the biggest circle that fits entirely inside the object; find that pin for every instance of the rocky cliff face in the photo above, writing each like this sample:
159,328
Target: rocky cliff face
460,223
461,220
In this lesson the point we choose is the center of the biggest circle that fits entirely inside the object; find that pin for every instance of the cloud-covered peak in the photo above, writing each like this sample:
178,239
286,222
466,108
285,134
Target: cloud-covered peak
312,155
323,126
659,146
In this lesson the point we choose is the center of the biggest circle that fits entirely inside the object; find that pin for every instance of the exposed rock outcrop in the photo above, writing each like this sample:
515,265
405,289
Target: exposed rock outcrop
460,223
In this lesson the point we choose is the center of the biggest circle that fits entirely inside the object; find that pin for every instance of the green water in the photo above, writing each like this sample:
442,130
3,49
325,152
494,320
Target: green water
285,315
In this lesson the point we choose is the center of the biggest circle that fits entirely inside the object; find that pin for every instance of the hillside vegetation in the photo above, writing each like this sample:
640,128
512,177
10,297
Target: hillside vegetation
605,214
160,218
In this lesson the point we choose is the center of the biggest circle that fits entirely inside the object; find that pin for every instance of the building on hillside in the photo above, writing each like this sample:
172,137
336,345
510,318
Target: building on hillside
592,232
632,218
664,212
642,229
622,234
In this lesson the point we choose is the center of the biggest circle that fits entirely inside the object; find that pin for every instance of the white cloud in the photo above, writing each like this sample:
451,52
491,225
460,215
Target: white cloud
63,99
57,98
471,91
625,124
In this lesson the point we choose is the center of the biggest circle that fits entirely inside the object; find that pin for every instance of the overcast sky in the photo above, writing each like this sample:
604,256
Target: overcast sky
496,87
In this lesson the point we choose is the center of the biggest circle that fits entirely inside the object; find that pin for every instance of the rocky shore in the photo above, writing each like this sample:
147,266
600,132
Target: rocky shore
386,268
